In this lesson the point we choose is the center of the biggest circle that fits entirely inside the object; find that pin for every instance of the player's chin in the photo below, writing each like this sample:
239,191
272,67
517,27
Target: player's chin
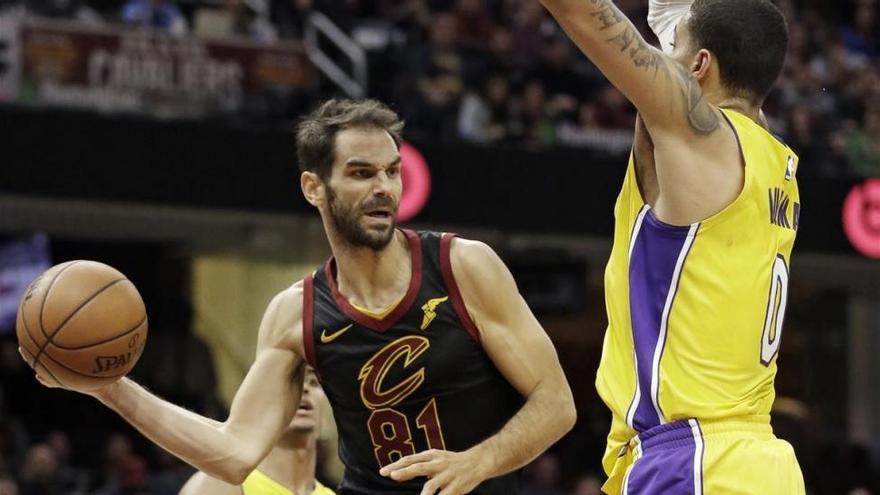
303,423
378,231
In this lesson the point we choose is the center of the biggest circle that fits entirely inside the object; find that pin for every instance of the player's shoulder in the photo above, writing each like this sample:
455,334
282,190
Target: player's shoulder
476,266
469,254
282,322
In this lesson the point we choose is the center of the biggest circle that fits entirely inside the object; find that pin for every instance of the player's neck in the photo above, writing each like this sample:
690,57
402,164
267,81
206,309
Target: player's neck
741,105
292,462
374,279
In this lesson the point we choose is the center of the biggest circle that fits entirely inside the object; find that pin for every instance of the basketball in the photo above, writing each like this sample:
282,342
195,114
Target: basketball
82,325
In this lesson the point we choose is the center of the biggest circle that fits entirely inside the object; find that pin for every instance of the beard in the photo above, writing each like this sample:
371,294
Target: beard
347,221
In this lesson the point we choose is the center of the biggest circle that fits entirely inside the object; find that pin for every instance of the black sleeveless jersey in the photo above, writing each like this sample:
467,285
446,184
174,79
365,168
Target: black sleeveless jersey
415,380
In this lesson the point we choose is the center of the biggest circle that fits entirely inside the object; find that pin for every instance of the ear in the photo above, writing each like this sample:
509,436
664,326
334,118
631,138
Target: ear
702,63
312,188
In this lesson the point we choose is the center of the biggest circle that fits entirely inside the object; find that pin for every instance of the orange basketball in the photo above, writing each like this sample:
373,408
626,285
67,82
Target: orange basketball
81,324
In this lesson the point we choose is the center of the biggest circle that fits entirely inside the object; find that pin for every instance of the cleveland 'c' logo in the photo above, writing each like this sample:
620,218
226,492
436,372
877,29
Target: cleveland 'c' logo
372,374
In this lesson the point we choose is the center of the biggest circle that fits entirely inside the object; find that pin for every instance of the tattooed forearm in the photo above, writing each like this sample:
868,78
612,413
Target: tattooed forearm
702,117
642,55
629,40
608,16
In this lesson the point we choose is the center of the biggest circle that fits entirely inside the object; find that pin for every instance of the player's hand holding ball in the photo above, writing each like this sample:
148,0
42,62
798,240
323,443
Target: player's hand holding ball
81,325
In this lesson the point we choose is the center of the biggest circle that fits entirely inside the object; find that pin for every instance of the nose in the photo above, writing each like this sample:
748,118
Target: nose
383,185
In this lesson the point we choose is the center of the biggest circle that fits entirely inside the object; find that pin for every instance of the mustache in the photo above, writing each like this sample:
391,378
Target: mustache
380,202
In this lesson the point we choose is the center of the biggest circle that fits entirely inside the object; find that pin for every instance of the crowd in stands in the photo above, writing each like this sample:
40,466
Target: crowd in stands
501,72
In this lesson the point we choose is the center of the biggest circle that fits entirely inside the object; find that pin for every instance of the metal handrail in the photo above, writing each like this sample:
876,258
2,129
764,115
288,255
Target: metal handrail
354,85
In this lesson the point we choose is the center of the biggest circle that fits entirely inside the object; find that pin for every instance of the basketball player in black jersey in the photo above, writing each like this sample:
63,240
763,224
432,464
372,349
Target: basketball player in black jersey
440,378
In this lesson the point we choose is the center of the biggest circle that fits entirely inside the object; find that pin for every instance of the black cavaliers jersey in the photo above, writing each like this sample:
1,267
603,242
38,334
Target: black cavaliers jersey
414,380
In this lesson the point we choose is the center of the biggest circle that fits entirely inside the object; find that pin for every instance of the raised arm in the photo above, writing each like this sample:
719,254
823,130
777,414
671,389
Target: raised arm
262,407
522,352
666,94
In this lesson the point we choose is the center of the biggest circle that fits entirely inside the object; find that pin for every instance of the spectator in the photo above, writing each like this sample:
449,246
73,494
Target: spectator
483,117
73,479
539,118
543,476
171,475
249,20
8,486
130,477
861,36
529,28
40,474
588,132
863,145
116,447
289,17
437,80
473,23
163,15
588,484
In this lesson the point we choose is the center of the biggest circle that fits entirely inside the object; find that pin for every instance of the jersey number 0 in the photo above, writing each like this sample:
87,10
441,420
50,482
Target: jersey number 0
772,335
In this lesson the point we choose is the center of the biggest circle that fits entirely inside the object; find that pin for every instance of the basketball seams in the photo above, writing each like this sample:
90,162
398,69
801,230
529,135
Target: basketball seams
109,339
82,305
27,330
72,313
46,295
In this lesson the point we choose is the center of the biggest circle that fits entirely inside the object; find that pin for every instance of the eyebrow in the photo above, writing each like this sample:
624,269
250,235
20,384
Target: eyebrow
360,162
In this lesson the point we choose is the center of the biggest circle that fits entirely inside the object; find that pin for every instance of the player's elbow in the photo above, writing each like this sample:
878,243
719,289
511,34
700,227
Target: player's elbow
564,409
237,468
236,475
567,414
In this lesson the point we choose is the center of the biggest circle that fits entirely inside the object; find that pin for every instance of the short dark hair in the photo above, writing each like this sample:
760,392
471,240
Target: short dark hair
316,133
749,39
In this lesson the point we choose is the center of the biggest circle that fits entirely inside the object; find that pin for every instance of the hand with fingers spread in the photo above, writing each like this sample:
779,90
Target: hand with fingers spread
448,473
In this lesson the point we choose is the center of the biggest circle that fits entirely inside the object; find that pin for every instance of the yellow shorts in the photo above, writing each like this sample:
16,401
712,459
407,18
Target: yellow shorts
697,457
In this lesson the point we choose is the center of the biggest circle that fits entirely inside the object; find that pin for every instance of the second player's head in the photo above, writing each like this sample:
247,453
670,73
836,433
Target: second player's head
310,415
746,41
349,155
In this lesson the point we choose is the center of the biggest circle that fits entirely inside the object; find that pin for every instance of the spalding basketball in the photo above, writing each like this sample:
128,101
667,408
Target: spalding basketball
81,325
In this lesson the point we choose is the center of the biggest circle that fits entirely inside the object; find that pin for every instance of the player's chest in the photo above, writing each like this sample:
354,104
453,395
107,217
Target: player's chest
362,367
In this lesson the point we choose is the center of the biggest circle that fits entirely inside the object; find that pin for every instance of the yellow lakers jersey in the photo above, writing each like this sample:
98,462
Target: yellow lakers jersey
695,313
260,484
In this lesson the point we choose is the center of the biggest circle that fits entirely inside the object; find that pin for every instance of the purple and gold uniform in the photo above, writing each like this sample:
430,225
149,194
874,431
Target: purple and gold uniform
695,321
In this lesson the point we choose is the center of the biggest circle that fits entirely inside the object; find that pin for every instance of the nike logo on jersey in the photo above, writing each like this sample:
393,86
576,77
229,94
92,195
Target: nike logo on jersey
430,310
326,339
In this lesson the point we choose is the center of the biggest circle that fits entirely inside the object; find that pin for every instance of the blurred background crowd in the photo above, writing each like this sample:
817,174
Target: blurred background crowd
490,73
502,72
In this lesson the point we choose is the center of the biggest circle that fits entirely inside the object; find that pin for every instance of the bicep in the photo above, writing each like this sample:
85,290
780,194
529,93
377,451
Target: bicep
509,332
665,93
519,347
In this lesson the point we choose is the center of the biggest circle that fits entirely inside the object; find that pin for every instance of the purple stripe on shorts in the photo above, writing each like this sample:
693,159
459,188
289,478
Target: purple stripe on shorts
654,256
667,462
